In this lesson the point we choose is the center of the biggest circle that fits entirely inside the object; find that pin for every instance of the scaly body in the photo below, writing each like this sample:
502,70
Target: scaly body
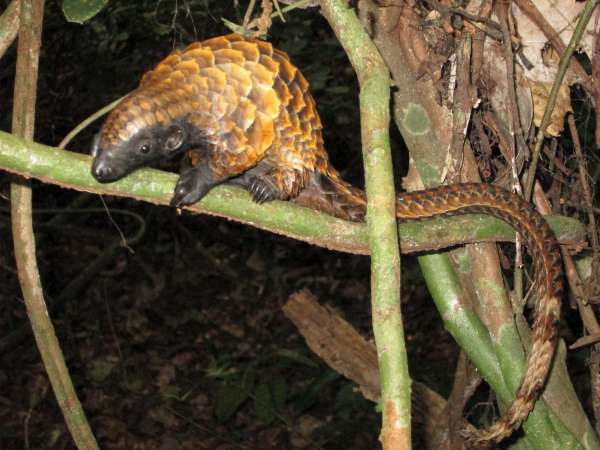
242,113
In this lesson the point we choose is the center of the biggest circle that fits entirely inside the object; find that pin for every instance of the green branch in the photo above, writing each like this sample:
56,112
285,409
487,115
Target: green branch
374,79
72,170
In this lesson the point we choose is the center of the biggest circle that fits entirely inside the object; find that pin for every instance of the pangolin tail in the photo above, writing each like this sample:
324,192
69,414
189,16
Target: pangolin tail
329,193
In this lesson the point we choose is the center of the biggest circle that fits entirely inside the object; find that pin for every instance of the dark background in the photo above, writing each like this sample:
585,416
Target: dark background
162,341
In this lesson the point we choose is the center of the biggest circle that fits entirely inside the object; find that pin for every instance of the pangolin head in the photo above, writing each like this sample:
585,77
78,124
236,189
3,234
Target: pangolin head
136,134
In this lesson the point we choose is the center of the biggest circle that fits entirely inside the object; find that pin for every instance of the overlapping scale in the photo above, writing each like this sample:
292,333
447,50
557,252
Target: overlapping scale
247,98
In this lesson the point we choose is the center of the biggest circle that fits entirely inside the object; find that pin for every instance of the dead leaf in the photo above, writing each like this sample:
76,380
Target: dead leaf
540,92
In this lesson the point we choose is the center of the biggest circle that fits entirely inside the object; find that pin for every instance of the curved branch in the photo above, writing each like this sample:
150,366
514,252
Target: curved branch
26,76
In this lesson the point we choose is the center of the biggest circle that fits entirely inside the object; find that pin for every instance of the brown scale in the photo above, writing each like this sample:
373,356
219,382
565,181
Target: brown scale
255,109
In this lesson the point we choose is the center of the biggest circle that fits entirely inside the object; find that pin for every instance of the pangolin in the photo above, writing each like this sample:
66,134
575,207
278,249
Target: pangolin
242,113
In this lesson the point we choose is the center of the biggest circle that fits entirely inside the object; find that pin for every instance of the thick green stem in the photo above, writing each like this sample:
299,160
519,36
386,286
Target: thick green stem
374,80
471,334
426,128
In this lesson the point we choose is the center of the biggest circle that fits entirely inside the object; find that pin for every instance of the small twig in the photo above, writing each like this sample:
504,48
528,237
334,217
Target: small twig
295,5
596,85
555,161
492,28
279,11
464,98
493,122
517,141
75,131
121,234
587,192
485,147
517,144
479,41
586,14
590,288
243,30
451,421
248,14
9,25
578,207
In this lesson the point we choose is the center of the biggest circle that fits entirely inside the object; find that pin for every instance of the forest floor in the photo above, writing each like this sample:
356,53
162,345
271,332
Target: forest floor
181,343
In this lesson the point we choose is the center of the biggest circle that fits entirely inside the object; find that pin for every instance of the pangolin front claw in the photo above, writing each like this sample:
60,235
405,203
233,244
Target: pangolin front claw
192,185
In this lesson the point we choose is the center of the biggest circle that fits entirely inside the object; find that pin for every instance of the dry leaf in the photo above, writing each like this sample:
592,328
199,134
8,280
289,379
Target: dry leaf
562,16
540,93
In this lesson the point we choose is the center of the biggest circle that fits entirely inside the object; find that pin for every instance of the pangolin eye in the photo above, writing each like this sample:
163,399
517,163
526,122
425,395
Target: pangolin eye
144,148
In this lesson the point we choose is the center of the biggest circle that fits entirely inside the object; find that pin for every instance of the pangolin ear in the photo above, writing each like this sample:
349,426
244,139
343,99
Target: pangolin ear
175,136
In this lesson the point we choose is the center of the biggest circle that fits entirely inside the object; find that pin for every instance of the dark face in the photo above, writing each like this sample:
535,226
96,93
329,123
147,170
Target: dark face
146,147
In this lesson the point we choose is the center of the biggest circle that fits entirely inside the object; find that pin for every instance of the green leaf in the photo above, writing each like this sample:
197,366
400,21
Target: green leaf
79,11
101,369
312,393
248,378
279,391
229,399
263,404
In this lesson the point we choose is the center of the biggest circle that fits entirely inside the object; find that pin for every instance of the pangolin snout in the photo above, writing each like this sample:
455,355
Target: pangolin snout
102,170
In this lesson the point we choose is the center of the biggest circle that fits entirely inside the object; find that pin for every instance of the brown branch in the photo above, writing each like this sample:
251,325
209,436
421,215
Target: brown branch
596,85
24,242
479,37
344,350
557,162
491,28
9,25
493,122
517,142
480,137
263,23
465,96
466,382
587,192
